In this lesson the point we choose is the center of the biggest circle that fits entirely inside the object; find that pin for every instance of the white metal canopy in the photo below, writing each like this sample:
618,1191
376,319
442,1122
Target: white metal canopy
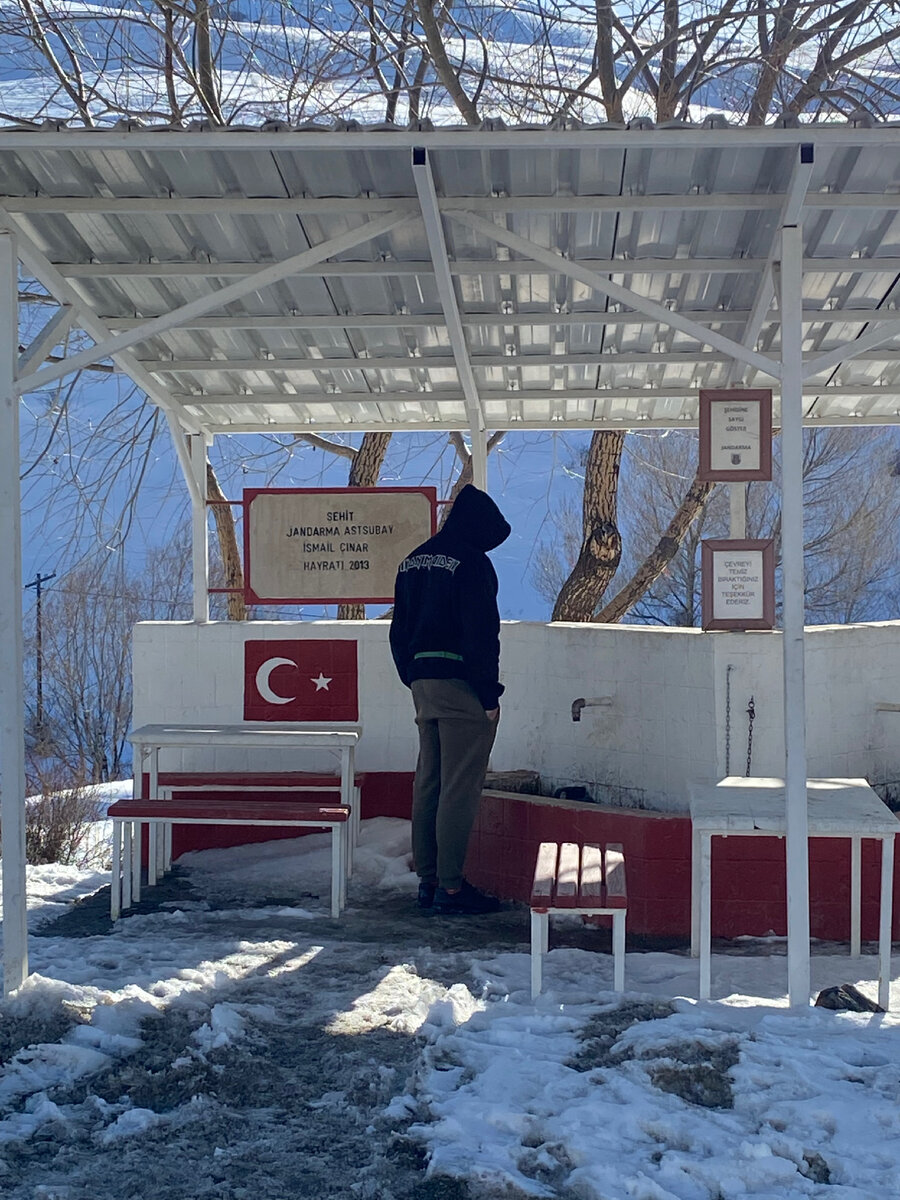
355,279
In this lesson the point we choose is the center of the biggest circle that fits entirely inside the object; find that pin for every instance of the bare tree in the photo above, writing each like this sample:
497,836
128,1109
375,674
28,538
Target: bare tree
414,59
85,665
852,560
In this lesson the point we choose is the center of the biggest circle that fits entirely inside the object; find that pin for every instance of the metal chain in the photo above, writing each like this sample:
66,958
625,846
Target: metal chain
751,713
728,671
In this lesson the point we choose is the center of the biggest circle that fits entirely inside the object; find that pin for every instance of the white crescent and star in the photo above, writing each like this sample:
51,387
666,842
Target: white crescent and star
268,693
262,680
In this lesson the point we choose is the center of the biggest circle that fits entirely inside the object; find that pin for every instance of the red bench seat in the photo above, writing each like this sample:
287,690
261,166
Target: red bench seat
160,814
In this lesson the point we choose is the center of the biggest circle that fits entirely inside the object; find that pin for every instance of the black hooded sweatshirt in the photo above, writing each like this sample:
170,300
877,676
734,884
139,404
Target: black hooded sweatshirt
446,624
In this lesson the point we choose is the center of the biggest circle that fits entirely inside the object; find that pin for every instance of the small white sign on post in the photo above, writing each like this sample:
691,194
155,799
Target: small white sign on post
331,546
735,434
738,583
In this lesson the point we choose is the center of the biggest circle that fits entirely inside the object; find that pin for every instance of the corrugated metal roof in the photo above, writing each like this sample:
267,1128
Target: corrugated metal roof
129,225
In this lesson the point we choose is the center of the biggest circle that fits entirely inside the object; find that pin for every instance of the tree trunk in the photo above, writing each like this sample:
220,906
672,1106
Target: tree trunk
364,472
666,549
228,547
601,547
446,72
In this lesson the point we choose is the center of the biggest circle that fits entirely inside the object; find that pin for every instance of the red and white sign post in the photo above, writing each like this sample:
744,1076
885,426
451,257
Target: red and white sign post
736,448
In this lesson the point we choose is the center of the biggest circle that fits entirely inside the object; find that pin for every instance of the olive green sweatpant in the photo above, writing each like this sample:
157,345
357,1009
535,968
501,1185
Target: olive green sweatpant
455,740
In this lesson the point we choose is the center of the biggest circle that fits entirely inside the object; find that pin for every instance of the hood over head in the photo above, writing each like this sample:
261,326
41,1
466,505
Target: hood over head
476,519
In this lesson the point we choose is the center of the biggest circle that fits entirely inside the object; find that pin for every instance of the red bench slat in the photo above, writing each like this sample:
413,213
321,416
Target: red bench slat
574,876
567,876
212,810
544,875
592,874
614,874
251,779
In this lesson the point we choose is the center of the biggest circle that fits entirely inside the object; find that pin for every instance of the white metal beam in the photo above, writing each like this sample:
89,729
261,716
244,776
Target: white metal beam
436,423
263,278
434,232
797,826
12,683
615,291
51,335
612,359
858,349
202,206
40,266
790,214
199,529
179,435
647,396
475,141
190,268
830,316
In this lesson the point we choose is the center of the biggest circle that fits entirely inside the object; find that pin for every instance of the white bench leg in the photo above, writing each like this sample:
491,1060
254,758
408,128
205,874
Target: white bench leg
695,893
127,862
152,854
115,890
136,862
618,940
539,941
855,891
705,865
336,871
884,921
346,852
167,847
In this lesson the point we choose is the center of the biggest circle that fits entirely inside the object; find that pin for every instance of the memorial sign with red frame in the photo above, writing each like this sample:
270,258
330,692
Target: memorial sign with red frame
735,434
331,545
738,583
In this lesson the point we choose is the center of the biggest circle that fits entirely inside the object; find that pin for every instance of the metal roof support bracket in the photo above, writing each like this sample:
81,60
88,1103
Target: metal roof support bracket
479,459
12,705
437,246
797,824
556,262
840,354
41,267
218,298
790,215
179,441
51,335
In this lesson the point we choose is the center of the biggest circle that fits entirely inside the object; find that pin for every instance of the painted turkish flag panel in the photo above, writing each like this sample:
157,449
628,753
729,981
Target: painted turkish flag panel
294,680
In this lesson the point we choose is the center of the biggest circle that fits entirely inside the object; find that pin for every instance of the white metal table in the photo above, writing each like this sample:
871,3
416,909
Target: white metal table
755,807
149,740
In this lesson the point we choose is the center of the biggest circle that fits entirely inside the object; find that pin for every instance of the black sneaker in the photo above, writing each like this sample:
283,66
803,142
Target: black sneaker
467,902
427,888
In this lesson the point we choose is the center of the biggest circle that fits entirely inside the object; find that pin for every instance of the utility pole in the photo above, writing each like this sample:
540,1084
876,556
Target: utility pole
36,583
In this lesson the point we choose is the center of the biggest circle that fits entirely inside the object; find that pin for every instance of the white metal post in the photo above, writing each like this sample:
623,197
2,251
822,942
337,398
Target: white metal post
199,529
12,705
479,459
793,587
737,499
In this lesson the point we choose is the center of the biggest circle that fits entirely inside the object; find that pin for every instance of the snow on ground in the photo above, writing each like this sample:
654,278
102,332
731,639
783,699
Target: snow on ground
229,1040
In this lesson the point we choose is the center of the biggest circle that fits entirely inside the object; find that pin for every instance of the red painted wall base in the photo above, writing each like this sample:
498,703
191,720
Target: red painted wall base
748,874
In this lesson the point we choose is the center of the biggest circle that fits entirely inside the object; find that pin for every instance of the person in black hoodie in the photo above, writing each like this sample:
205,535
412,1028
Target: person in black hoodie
445,639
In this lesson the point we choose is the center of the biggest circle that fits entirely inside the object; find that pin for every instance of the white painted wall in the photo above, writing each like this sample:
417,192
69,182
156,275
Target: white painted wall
666,724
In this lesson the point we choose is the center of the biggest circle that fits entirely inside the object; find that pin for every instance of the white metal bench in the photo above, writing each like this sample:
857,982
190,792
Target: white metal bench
582,879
